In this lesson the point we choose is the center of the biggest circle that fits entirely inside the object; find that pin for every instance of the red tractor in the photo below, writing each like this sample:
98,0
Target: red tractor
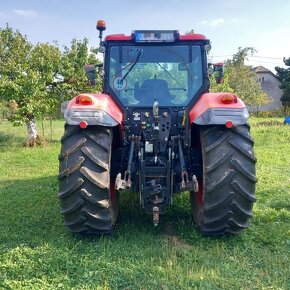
156,130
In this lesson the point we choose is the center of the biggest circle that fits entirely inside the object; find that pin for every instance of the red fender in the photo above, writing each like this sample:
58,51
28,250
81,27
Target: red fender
210,109
100,109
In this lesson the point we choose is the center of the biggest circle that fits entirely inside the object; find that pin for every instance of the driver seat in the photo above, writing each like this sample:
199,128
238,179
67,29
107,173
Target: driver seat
151,89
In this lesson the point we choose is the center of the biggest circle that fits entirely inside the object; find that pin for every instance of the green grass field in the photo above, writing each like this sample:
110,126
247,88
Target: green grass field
37,252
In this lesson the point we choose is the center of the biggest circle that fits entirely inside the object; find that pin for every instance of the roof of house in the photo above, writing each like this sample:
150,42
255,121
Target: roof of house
261,69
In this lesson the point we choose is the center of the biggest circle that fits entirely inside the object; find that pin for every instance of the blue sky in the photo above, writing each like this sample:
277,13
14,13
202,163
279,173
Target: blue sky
229,24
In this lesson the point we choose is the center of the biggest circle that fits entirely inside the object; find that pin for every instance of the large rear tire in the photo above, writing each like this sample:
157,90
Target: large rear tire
89,203
227,187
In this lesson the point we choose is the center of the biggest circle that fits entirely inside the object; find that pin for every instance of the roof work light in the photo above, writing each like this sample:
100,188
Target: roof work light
155,36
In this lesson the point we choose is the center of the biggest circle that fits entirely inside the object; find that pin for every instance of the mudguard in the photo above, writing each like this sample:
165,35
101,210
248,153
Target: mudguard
101,111
210,110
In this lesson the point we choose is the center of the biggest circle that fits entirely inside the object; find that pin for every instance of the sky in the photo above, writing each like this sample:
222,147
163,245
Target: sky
229,24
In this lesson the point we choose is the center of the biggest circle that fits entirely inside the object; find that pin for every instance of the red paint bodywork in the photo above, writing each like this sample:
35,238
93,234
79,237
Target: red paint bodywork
119,37
192,36
123,37
213,100
100,102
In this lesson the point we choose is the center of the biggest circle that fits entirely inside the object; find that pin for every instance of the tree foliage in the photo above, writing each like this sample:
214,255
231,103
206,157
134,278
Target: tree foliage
241,80
36,79
223,87
283,75
74,58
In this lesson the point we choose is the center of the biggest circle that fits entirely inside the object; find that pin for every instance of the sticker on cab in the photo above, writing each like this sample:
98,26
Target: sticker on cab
120,83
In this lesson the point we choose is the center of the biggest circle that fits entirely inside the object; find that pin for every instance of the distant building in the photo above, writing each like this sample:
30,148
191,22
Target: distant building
270,85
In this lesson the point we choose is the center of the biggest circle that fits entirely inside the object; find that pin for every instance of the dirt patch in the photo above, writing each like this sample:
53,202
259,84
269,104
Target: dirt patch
174,240
33,142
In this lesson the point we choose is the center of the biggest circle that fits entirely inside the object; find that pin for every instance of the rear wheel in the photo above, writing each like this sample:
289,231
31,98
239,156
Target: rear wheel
89,203
227,187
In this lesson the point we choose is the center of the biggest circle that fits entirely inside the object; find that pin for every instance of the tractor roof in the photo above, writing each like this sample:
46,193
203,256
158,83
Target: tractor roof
150,36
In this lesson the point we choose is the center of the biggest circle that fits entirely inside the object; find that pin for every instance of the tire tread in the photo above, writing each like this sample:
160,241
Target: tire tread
229,180
84,180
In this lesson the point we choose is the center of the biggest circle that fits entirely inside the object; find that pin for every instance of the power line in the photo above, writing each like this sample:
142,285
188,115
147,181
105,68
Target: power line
226,55
276,63
251,58
257,56
257,61
268,57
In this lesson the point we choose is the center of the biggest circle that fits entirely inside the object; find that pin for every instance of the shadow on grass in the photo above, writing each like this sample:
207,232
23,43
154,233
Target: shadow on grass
7,139
30,215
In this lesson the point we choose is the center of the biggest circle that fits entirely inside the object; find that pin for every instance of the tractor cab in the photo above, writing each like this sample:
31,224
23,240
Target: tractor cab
139,74
149,66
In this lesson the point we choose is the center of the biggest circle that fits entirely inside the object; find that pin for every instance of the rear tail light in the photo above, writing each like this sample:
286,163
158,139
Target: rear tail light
84,100
228,99
83,124
229,124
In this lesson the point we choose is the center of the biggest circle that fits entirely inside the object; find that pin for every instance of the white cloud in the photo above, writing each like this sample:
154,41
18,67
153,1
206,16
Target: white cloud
216,22
213,22
204,22
27,13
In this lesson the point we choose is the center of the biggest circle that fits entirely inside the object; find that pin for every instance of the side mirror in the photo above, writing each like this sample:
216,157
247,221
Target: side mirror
217,69
90,71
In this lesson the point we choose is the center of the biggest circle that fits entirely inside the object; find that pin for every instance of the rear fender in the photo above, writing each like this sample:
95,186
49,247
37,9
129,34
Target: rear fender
209,110
102,111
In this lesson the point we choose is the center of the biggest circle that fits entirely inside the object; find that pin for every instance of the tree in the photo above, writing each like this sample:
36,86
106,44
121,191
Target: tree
35,80
222,87
73,60
241,80
26,71
283,75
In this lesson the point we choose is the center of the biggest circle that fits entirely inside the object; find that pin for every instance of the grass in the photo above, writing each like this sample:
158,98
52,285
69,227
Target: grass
37,252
